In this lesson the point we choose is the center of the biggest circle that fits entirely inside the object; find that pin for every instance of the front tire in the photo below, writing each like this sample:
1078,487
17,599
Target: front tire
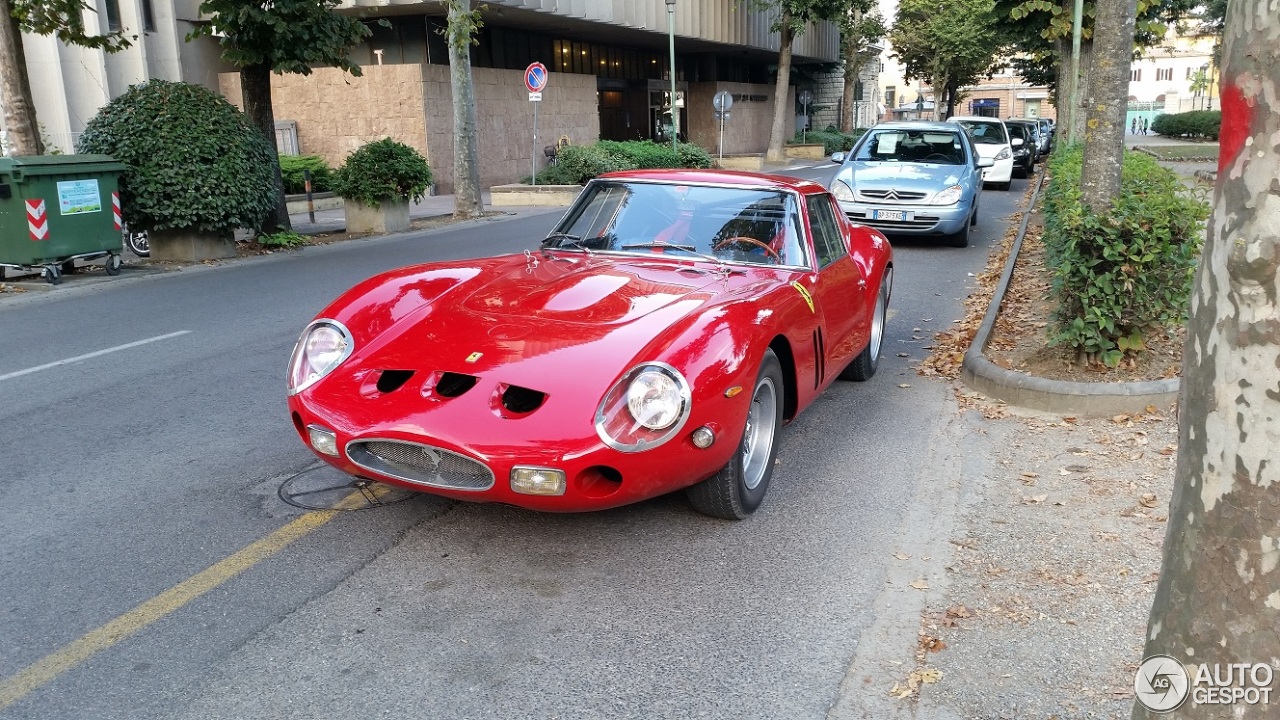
960,238
864,366
738,489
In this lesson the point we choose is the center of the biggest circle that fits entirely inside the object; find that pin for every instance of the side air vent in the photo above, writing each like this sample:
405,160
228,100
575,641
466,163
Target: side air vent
454,384
520,400
392,380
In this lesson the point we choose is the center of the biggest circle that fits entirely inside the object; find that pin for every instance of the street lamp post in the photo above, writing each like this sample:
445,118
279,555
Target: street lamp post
671,41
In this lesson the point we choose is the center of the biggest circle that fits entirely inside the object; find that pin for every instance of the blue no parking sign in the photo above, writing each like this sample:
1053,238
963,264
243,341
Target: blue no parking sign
535,77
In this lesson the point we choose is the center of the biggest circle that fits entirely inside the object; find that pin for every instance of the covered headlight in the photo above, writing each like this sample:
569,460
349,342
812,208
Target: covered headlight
1004,154
842,192
645,408
950,196
322,347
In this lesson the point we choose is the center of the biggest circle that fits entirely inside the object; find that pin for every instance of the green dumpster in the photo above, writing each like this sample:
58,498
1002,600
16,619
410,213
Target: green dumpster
55,209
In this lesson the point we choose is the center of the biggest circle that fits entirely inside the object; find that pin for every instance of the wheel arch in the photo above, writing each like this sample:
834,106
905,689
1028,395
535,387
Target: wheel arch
781,347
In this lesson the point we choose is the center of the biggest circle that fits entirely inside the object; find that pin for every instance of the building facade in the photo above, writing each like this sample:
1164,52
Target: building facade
609,76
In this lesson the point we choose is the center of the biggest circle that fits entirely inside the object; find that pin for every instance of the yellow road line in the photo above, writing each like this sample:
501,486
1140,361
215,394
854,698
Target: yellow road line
51,666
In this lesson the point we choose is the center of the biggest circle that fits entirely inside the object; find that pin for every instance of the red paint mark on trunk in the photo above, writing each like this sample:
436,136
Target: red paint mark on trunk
1237,117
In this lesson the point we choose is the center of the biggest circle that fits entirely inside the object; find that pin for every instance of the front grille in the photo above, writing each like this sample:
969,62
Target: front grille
421,464
891,195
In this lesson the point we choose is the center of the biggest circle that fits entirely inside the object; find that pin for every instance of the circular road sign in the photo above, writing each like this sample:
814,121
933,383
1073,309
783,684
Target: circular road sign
805,97
722,101
535,77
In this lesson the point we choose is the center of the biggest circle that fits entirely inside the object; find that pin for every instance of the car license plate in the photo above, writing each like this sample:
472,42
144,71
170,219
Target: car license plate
886,215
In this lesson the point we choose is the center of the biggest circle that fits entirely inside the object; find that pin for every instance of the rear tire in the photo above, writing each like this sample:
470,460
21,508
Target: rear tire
738,489
864,366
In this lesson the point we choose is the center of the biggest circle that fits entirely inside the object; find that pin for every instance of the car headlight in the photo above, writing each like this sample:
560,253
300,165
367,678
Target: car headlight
950,196
646,407
842,192
1004,154
322,347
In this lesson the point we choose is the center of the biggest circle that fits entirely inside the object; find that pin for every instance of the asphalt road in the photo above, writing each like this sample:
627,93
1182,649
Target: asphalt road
150,569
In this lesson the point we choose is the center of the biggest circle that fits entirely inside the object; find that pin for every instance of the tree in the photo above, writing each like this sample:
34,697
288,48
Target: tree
948,46
860,26
1217,599
793,16
463,24
1107,102
265,36
63,18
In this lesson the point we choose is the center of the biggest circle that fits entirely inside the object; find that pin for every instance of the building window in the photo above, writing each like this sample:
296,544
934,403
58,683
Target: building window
1136,75
890,96
1164,74
858,91
148,17
113,15
1188,73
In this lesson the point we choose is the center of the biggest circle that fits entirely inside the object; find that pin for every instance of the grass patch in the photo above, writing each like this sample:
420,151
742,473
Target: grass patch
1191,152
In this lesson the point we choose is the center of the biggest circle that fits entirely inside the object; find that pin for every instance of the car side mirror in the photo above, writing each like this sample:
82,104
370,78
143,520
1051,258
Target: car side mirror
986,162
1017,142
837,157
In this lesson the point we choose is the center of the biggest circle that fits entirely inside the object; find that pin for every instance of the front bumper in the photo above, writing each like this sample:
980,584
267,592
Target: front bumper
1001,172
915,220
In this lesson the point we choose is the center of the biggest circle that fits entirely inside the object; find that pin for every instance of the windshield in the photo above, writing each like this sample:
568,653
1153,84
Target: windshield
986,133
938,147
743,225
1020,130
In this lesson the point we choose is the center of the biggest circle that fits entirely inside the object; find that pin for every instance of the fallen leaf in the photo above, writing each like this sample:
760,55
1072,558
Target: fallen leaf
1034,499
902,556
1168,449
919,584
932,644
959,611
928,677
1120,419
1151,578
1148,500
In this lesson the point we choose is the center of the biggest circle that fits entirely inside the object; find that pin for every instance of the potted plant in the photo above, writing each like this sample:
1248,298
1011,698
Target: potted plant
376,183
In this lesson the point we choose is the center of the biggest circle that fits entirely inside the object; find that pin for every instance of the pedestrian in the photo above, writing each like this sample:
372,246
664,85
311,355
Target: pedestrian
1133,126
1145,125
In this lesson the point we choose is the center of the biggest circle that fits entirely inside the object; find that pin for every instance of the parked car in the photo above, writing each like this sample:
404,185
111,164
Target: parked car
1048,129
1026,152
656,340
913,178
991,139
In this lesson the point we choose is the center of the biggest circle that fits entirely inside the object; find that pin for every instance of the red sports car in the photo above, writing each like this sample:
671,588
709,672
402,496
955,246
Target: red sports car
657,340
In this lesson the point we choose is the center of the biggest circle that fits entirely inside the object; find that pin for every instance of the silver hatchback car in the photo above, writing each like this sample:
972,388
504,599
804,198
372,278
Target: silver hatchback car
912,178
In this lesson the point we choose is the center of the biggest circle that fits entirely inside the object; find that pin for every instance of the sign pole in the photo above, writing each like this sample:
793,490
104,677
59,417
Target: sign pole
534,156
535,81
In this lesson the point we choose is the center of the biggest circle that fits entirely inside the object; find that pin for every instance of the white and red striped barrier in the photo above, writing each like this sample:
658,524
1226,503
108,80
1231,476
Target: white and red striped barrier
115,209
37,219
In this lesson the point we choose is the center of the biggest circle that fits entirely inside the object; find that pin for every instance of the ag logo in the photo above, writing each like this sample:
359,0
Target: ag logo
1161,683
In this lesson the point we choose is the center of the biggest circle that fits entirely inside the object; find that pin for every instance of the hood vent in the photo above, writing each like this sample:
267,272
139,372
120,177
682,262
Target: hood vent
454,384
392,380
521,401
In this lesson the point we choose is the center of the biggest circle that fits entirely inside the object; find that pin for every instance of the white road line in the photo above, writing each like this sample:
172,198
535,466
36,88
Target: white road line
86,356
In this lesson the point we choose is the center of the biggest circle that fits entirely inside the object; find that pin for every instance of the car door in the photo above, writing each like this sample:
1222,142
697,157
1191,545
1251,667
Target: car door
838,290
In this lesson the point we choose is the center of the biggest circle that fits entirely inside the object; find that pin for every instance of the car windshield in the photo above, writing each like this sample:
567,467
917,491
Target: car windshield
728,224
1020,130
986,133
918,146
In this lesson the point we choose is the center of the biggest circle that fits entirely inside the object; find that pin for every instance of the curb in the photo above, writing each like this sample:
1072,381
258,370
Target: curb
1056,396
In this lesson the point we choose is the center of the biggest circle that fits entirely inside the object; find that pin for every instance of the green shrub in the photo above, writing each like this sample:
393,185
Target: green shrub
1122,273
553,175
193,161
1196,124
383,170
283,239
576,164
580,163
642,153
291,167
832,140
693,156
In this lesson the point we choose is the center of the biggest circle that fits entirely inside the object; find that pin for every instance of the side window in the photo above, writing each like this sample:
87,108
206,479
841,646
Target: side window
828,243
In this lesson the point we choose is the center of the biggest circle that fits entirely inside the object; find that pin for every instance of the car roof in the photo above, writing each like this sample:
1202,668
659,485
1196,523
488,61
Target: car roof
718,177
914,125
974,118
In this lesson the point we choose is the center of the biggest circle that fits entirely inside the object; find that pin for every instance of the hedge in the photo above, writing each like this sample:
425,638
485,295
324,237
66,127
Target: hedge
1127,271
576,164
291,167
832,140
1195,124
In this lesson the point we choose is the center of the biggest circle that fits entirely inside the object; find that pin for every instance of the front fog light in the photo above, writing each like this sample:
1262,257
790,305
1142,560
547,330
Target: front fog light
323,440
537,481
703,437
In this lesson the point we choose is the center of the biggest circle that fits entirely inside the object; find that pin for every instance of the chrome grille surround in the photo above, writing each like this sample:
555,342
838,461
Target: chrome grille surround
918,223
890,196
420,464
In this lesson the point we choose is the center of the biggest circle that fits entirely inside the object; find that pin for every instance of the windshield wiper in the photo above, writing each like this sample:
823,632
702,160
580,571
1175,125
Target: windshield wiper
574,240
685,248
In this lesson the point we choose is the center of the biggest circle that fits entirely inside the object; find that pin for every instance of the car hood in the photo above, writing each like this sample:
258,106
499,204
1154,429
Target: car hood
920,177
577,318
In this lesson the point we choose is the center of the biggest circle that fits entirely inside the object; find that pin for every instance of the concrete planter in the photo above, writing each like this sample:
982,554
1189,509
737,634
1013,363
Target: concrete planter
389,217
811,151
187,245
322,201
753,162
518,194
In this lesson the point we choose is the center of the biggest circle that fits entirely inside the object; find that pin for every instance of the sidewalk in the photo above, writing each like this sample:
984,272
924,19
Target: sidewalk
332,221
